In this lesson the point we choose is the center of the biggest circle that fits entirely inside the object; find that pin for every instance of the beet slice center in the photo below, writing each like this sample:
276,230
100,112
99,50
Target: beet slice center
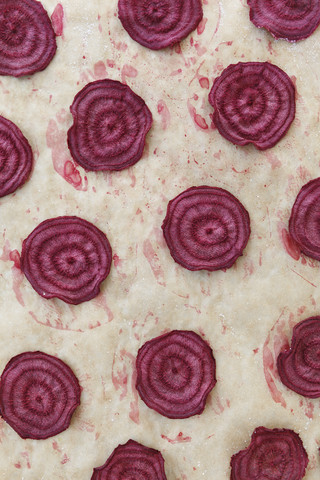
38,395
206,228
66,257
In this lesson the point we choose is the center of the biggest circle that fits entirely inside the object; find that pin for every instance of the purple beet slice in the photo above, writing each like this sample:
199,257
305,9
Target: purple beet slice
158,24
176,373
299,367
67,258
38,395
305,218
27,39
132,461
16,157
276,454
110,126
287,19
253,102
206,228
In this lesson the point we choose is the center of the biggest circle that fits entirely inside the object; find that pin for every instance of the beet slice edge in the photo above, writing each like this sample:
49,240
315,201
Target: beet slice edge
276,454
157,25
175,373
27,38
16,157
206,228
38,395
110,126
299,367
132,460
66,257
254,102
285,19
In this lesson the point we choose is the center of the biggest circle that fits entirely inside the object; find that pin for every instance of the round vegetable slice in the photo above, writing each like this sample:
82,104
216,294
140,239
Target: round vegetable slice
67,258
132,461
16,157
305,218
253,102
276,454
176,373
27,39
206,228
158,24
299,367
110,126
38,395
287,19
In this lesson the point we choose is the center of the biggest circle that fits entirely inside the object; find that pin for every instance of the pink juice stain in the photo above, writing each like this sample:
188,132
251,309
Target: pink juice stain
290,245
180,438
17,275
154,262
164,113
196,117
128,71
100,70
57,18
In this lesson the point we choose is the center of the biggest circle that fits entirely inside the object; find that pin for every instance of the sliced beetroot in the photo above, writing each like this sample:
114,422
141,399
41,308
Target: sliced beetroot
305,219
38,395
276,454
291,20
299,367
206,228
132,461
176,373
16,157
67,258
158,24
27,39
110,126
253,102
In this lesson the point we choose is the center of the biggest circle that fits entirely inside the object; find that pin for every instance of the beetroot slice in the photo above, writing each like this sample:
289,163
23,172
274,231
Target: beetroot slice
158,24
299,367
287,19
206,228
253,102
38,395
110,126
27,39
276,454
16,157
176,373
305,218
67,258
132,461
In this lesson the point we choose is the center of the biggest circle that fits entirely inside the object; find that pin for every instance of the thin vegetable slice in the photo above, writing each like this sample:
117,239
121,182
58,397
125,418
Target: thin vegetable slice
206,228
132,461
253,102
299,367
287,19
16,157
158,24
38,395
67,258
305,218
110,126
176,373
276,454
27,39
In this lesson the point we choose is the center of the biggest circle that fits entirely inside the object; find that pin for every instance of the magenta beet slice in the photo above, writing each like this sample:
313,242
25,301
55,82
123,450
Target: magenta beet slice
158,24
38,395
206,228
132,461
299,367
110,126
176,373
305,218
67,258
291,20
253,102
27,39
16,157
276,454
